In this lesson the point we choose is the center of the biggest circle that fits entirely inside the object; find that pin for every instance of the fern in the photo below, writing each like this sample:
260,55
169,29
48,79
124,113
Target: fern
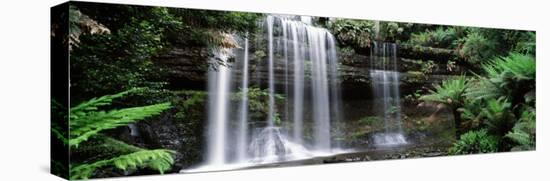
475,142
91,123
86,120
498,115
93,104
159,159
524,131
516,66
451,92
483,88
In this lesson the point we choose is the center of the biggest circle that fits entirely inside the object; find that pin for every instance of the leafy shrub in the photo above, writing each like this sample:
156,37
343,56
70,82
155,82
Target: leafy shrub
523,133
475,142
103,64
512,77
427,67
369,120
482,44
476,48
392,31
440,38
354,33
346,54
526,44
258,102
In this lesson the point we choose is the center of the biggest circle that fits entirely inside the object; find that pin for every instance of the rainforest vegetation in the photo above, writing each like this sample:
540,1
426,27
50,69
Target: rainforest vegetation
138,96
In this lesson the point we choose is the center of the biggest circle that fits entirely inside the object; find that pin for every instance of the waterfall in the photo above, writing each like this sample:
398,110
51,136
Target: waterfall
297,30
271,79
385,84
319,80
242,131
306,57
218,88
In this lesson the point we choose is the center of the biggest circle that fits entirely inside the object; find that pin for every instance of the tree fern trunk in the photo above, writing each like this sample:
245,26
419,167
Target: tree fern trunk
457,121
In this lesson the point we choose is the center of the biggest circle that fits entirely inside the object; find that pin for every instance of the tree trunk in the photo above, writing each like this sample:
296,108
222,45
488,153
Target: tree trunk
457,120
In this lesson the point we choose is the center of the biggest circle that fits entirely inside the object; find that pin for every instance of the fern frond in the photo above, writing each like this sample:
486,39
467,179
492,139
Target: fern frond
59,135
519,66
94,103
450,91
89,124
524,131
160,160
483,88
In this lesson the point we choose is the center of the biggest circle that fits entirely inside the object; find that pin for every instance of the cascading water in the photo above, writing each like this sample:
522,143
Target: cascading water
308,56
242,129
218,88
385,85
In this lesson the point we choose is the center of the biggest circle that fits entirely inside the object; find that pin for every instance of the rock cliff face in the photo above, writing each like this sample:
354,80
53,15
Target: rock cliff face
185,67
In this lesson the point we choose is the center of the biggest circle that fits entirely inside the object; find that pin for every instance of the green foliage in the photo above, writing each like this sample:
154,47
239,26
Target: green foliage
477,48
450,92
498,116
511,77
87,121
203,27
515,66
74,17
392,31
354,33
160,160
523,133
59,125
475,142
369,120
518,66
103,64
483,44
189,103
346,54
258,103
258,99
440,38
526,44
427,67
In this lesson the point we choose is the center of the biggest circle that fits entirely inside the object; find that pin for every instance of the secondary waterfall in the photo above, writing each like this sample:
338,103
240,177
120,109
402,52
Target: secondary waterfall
385,84
302,67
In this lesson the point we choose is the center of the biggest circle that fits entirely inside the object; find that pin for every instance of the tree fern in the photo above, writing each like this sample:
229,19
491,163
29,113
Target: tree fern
524,131
451,92
517,66
498,116
87,121
160,160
